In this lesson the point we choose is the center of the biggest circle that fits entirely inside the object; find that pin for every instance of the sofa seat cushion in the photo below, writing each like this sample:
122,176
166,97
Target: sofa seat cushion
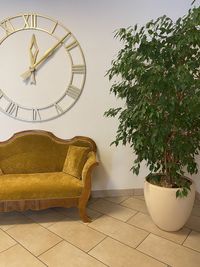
39,186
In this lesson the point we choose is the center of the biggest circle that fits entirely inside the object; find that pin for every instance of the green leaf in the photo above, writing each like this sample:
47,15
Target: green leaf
156,77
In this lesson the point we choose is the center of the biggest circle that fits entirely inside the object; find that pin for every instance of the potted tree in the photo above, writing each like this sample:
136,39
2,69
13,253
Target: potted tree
157,74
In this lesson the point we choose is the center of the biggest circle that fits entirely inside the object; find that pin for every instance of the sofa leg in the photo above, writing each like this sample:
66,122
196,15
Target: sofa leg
83,214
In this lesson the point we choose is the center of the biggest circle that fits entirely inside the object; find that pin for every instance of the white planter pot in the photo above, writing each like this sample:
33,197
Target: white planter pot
168,212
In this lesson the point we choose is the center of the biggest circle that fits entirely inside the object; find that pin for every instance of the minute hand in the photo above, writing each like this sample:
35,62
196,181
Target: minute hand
27,74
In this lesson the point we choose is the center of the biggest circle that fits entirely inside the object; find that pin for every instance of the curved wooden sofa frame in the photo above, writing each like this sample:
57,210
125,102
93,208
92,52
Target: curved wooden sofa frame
39,204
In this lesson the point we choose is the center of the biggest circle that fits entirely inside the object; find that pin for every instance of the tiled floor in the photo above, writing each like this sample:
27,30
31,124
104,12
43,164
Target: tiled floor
121,235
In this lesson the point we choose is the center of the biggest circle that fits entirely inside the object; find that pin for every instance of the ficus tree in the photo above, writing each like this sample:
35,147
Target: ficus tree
157,74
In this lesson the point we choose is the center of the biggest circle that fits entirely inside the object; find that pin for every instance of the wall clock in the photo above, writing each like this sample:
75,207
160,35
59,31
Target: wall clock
42,66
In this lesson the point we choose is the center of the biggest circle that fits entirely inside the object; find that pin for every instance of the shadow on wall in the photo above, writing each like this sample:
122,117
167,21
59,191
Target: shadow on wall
100,174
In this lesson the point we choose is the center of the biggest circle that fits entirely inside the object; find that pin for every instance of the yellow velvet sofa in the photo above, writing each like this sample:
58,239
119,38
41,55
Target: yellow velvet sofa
39,170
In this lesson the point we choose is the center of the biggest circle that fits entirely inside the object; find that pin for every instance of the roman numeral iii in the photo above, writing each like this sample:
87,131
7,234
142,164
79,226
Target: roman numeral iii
12,109
73,92
78,69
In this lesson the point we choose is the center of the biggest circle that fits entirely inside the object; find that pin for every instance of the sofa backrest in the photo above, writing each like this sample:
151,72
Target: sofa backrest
37,151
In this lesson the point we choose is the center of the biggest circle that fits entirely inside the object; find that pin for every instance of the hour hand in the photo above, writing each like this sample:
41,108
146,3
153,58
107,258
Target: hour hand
33,52
46,55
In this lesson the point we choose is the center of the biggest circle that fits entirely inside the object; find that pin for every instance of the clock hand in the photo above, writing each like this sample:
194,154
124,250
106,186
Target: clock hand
49,52
33,56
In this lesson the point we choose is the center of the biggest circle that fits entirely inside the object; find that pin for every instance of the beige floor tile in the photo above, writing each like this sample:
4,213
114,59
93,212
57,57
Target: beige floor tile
72,213
139,197
196,210
17,256
64,254
193,241
77,234
135,204
145,222
197,201
116,199
115,254
67,212
6,241
194,223
92,200
112,209
93,214
45,217
34,237
169,252
10,219
121,231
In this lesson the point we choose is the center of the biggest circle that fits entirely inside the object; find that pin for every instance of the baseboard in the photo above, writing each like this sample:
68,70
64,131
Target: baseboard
117,193
123,192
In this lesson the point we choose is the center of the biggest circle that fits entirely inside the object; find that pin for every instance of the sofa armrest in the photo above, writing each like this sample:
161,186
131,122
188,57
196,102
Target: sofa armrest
88,167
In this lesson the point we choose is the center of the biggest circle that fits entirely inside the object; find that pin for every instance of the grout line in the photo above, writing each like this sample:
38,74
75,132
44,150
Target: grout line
114,203
138,212
93,200
131,218
143,240
97,244
50,247
186,236
106,236
127,245
156,234
147,255
112,216
125,222
76,248
85,252
191,249
9,248
143,228
69,241
40,223
138,197
24,246
14,225
103,214
18,243
93,248
178,244
109,236
150,255
172,242
121,204
107,198
134,226
98,260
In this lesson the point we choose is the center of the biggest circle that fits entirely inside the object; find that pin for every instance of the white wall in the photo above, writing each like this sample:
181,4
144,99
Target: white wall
93,23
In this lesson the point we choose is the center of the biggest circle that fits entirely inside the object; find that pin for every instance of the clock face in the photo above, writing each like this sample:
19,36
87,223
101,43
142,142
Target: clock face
42,68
